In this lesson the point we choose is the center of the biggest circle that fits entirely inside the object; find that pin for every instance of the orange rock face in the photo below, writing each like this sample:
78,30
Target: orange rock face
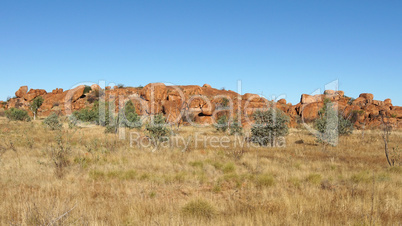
206,104
21,91
34,93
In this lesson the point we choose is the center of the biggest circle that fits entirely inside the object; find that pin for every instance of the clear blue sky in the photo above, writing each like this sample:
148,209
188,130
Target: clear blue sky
274,47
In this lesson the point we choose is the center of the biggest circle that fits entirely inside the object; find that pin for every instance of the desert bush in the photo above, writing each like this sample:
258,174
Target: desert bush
128,116
86,115
94,115
60,155
52,122
157,130
199,209
16,114
222,124
235,128
269,125
330,124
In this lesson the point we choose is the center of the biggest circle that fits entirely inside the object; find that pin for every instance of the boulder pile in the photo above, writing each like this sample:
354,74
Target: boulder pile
204,104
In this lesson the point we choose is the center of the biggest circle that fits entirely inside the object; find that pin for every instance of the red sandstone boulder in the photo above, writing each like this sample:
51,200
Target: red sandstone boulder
206,86
154,91
95,87
360,101
308,99
388,102
34,93
74,94
309,112
329,92
172,110
57,91
367,96
21,91
251,97
282,101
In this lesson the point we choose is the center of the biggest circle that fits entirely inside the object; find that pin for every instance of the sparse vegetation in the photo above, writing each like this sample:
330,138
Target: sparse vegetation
96,178
269,126
157,129
52,122
222,124
16,114
199,209
330,124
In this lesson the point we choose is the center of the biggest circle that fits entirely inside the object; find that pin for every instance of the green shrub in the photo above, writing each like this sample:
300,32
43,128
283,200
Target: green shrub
87,89
330,124
235,128
199,209
16,114
269,125
52,122
94,115
222,124
157,130
128,116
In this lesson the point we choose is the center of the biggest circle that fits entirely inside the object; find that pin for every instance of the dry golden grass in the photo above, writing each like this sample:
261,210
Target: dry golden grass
106,182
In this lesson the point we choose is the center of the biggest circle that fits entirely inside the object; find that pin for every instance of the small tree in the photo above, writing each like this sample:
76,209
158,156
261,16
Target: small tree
157,130
269,125
330,124
35,105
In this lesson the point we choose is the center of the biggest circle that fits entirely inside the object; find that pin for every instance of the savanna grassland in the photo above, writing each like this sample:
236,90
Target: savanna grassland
84,176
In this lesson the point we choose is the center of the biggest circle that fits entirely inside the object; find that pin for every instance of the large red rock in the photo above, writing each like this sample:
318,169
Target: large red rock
308,99
282,101
251,97
95,87
21,91
367,96
388,102
172,111
57,91
154,91
74,94
309,112
33,93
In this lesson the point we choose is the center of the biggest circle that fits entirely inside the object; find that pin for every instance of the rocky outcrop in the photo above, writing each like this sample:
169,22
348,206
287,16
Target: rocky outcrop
205,104
21,91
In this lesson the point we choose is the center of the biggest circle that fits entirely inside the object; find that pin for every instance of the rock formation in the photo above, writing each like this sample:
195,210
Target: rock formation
205,104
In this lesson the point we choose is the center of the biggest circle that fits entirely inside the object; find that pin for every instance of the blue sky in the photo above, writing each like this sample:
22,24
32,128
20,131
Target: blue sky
273,47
